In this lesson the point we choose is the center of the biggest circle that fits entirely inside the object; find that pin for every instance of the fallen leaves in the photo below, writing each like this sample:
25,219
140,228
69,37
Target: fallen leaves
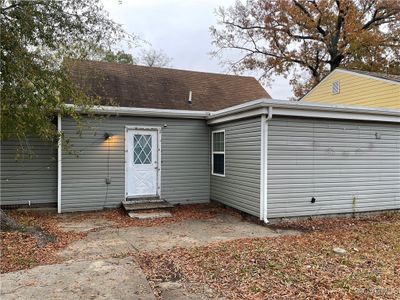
298,266
179,213
19,250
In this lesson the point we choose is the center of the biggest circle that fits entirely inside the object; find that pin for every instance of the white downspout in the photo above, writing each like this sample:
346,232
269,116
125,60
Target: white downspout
59,156
264,164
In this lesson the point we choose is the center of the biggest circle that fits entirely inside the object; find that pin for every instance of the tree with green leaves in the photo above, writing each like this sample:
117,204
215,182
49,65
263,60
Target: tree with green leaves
147,57
37,37
119,57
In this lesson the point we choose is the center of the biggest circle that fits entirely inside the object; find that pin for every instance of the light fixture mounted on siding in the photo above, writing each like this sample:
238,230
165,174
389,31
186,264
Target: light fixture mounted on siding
107,136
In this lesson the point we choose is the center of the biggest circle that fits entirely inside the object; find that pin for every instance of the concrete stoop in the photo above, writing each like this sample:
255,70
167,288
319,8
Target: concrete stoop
144,215
147,208
145,204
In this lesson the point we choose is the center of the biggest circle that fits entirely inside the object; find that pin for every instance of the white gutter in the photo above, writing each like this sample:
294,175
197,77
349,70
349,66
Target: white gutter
258,107
147,112
303,109
59,156
264,165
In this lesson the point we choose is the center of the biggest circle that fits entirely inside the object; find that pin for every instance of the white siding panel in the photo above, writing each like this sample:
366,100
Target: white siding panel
335,162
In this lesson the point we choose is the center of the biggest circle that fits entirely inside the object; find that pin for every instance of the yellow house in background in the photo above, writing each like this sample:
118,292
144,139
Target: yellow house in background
358,88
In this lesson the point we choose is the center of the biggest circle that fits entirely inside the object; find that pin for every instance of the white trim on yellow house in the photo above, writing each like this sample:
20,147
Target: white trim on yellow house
366,76
338,70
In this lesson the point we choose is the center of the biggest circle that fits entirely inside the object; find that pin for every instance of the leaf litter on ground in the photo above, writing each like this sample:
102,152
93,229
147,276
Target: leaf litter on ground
295,266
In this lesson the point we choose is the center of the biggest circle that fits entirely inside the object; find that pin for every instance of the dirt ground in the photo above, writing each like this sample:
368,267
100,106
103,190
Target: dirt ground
102,264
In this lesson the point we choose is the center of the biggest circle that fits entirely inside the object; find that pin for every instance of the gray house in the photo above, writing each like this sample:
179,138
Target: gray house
192,137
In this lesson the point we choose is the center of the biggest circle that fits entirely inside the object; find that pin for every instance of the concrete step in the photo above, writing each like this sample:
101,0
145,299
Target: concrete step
141,204
145,215
136,199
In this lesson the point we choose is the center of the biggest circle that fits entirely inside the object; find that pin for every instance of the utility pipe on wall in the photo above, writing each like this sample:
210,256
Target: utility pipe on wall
264,165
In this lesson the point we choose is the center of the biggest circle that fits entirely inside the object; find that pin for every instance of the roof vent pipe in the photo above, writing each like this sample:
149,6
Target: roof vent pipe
190,97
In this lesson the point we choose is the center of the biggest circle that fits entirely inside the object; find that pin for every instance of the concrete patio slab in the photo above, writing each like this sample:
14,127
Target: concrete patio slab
189,233
99,266
149,215
85,225
94,279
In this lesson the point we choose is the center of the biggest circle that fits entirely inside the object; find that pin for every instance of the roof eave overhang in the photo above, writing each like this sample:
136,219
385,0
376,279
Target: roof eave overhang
302,109
259,107
146,112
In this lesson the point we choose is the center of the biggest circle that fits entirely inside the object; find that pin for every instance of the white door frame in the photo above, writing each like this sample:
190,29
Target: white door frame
139,127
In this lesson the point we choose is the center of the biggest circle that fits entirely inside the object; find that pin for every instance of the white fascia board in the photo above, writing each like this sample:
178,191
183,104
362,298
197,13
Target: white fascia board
257,107
304,109
335,115
367,76
237,108
239,115
148,112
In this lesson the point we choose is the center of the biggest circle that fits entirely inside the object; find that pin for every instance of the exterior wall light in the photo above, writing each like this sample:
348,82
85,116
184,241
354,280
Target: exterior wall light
107,136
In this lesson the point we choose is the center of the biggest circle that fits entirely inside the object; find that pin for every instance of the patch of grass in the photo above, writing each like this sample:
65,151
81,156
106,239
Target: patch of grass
27,262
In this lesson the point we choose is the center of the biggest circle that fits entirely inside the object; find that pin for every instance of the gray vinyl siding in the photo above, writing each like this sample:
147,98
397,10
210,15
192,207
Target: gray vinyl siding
32,176
335,162
184,162
240,188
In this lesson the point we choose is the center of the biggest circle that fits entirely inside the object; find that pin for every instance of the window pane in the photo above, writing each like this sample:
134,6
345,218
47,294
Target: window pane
219,167
218,141
141,149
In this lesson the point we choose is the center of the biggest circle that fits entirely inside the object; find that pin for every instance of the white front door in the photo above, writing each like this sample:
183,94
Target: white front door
142,163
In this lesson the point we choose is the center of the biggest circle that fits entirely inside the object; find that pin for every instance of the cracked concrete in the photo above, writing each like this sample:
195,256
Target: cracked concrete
81,279
189,233
94,268
84,226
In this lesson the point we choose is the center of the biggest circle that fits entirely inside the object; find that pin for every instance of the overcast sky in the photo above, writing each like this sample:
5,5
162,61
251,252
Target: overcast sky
181,29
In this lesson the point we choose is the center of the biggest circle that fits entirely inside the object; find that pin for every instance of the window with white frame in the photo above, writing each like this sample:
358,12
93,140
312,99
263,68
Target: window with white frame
218,153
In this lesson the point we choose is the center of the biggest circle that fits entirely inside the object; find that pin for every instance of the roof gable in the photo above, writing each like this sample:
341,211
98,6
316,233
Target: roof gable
394,79
374,75
149,87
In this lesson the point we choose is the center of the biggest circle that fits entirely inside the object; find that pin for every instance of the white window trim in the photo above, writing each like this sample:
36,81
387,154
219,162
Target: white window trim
217,152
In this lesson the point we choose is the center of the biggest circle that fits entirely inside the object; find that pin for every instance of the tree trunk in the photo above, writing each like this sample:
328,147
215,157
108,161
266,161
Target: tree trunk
335,61
7,223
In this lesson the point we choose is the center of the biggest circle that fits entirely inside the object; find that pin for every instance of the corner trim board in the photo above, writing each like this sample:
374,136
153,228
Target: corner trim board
59,165
264,166
262,169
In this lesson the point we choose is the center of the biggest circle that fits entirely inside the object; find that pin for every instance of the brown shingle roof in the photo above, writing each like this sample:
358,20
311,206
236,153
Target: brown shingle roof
150,87
378,75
